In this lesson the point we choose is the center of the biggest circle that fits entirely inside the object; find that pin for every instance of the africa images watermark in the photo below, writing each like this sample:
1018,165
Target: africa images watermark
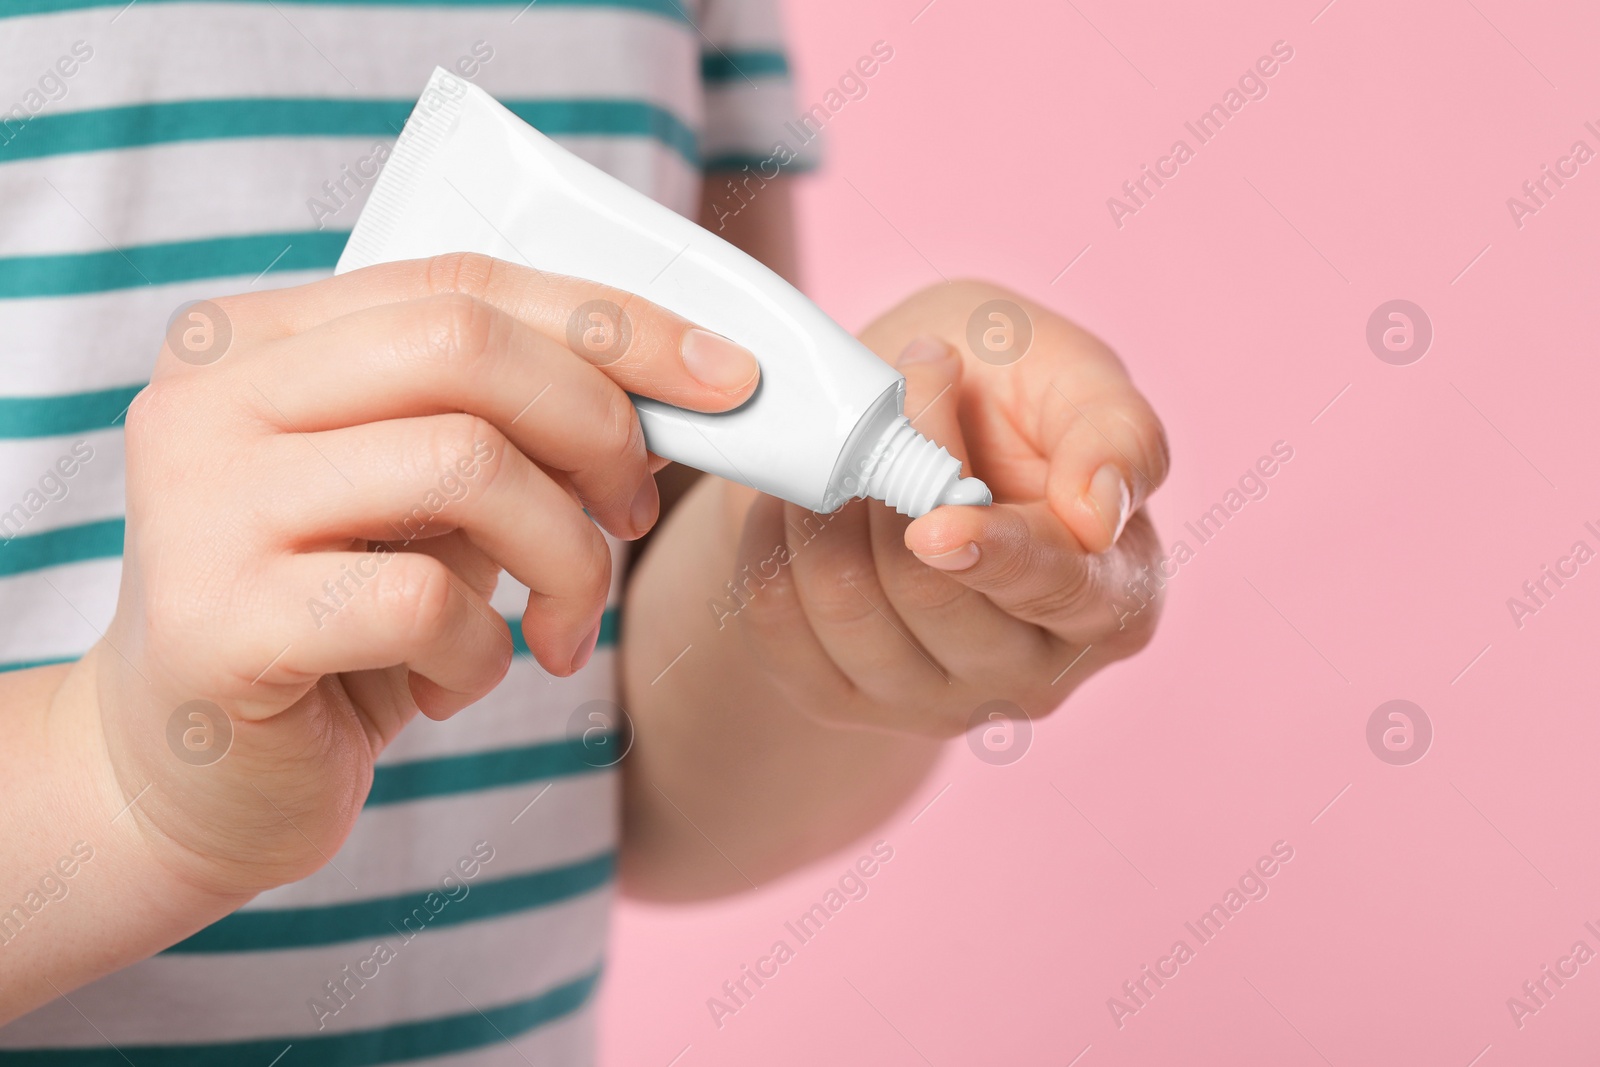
49,88
53,486
51,887
740,191
851,886
1539,191
339,193
1538,992
1251,886
1144,589
453,487
742,588
341,990
1538,591
1252,85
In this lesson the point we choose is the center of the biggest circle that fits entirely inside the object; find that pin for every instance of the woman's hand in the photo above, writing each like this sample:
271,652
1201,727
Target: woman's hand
865,618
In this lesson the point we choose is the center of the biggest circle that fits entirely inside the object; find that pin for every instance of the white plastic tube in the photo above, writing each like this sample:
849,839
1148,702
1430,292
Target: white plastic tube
826,423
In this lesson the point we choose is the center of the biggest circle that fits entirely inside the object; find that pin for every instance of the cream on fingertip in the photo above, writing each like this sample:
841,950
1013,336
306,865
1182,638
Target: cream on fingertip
1111,500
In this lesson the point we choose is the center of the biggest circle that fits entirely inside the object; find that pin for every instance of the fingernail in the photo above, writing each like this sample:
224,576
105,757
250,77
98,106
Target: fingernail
957,559
924,350
1111,499
718,363
586,649
646,504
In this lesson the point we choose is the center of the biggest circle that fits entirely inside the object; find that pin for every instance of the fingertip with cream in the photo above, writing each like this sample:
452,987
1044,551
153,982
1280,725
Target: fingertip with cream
1111,500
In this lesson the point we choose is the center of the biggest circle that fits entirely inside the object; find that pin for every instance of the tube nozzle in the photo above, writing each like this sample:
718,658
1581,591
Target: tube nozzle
913,475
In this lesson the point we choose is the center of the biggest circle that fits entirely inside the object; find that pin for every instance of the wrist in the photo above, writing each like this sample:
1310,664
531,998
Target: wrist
82,891
111,799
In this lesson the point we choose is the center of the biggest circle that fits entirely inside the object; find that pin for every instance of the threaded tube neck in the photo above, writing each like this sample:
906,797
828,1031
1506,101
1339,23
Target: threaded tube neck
913,475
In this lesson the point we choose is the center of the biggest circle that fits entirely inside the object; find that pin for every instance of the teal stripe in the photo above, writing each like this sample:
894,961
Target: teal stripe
270,930
612,118
670,9
67,544
58,416
245,255
29,664
137,125
396,783
362,1048
134,125
730,66
759,164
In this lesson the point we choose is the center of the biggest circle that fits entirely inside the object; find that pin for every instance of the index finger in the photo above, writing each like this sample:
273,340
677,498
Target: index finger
1106,452
641,346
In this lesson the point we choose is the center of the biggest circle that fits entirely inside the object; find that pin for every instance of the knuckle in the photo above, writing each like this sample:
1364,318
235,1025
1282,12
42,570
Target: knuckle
413,591
459,328
591,568
154,406
925,590
462,442
468,273
644,327
1052,590
161,412
836,598
620,436
763,592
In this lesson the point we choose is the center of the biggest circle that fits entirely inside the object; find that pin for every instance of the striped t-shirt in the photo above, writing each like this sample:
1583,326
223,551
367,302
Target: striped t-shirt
154,152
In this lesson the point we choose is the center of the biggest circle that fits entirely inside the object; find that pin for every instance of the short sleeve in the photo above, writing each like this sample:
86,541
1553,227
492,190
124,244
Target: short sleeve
750,115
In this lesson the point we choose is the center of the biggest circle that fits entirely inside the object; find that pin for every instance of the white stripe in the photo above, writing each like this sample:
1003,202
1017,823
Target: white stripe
529,707
371,52
743,121
36,497
743,24
401,848
41,622
233,997
101,340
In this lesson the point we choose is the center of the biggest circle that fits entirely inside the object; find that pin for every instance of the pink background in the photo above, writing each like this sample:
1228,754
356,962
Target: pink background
1379,566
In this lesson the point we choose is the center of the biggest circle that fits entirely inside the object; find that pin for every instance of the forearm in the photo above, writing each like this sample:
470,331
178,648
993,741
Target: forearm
81,893
729,783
